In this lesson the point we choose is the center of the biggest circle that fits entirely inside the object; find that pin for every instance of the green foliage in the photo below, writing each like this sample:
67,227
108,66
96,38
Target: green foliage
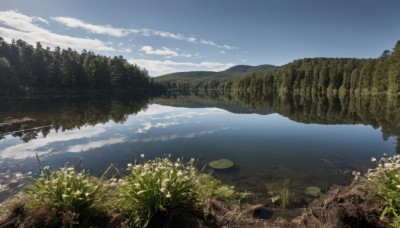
317,75
155,187
160,186
66,190
25,69
207,79
383,186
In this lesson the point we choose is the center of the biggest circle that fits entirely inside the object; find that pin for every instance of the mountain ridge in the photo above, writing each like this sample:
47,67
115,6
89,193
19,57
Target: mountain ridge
231,72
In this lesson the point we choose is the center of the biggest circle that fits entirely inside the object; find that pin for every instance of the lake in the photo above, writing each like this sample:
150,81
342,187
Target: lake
310,140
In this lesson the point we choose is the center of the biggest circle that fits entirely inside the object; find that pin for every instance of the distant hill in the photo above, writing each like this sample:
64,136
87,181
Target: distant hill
232,72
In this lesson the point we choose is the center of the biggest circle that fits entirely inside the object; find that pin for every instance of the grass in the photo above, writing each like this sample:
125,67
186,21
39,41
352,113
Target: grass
383,186
150,193
156,187
66,190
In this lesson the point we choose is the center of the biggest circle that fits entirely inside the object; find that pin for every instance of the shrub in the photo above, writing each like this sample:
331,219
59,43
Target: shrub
383,185
66,190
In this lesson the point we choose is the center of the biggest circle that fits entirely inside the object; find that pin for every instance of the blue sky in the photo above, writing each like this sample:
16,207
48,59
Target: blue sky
166,36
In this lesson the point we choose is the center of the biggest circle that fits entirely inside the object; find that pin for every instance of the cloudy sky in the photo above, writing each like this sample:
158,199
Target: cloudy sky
180,35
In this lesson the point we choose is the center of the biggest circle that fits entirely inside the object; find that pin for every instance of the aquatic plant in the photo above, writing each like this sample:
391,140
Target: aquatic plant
285,195
383,185
66,190
312,191
221,164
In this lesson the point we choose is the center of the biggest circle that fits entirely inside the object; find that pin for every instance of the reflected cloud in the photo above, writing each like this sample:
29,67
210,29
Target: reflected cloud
164,138
148,126
96,144
29,149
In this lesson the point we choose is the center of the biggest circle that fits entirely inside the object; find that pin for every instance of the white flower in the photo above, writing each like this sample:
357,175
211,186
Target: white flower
142,155
129,164
373,159
179,173
64,196
46,168
398,186
70,169
87,194
77,192
168,195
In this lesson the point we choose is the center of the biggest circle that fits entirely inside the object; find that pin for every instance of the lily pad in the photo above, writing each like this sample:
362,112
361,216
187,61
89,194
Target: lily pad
312,191
221,164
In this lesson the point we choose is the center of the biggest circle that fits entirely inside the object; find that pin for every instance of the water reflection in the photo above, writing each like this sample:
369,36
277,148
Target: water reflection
312,140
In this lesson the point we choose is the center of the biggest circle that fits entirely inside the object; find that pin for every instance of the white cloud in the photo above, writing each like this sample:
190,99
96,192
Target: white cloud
151,32
127,50
164,51
148,50
222,52
99,29
41,20
211,43
15,25
157,67
186,55
120,32
96,144
23,27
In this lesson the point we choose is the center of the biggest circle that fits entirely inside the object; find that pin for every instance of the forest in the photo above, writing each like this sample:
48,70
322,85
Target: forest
28,70
312,75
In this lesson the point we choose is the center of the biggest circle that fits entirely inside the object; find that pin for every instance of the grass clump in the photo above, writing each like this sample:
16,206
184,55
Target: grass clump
383,186
66,191
156,188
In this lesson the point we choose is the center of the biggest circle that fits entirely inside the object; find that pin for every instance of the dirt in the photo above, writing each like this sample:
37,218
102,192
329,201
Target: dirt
344,206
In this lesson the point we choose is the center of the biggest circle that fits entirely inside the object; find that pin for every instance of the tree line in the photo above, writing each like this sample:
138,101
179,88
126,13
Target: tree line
25,69
313,75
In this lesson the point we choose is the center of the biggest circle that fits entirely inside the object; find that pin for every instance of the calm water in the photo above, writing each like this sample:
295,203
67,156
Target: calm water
314,141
